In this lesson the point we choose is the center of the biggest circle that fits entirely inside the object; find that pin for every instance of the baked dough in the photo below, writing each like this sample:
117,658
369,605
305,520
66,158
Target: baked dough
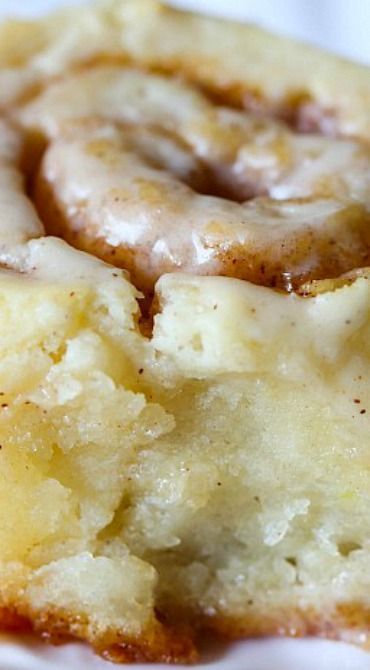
184,425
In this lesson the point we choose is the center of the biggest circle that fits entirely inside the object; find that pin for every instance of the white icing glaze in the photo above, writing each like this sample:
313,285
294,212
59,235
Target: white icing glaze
123,202
254,155
117,198
18,219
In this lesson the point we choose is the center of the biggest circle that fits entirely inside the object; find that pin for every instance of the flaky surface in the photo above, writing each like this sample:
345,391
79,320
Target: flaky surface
194,457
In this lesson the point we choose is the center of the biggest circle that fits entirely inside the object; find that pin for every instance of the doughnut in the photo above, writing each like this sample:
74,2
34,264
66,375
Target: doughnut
185,321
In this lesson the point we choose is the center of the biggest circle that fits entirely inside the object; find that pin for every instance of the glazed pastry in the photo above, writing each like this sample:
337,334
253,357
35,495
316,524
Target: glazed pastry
185,320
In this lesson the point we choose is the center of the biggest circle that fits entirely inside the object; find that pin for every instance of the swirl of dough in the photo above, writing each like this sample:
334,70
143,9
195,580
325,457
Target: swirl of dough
164,180
246,155
124,208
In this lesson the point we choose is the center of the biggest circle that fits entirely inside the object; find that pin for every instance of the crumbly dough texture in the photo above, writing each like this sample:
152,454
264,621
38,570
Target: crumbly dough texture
197,461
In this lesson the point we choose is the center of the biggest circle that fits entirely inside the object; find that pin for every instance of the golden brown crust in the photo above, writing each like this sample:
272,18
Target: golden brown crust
160,643
348,622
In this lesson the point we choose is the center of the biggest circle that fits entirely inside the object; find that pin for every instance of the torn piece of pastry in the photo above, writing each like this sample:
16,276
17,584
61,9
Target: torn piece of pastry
184,377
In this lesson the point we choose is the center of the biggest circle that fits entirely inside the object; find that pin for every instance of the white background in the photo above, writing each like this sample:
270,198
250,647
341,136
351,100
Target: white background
342,26
339,25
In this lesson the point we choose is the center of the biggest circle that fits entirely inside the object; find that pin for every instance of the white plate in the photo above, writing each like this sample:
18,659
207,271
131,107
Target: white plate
252,655
267,654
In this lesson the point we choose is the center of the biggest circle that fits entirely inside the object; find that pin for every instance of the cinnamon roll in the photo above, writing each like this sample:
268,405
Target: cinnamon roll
185,319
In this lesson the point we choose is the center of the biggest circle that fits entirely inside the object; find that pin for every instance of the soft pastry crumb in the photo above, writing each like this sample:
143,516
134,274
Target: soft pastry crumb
73,420
123,496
